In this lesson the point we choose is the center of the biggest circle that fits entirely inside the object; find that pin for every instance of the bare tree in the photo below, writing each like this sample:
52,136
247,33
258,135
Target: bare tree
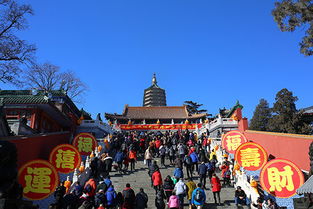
48,77
14,52
74,87
43,77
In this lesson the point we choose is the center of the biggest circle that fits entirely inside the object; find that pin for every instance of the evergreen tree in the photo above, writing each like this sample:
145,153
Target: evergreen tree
193,107
261,116
286,118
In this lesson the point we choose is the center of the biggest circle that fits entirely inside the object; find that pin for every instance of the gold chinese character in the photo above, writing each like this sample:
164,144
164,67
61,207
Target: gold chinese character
250,157
38,180
85,144
279,179
233,142
65,159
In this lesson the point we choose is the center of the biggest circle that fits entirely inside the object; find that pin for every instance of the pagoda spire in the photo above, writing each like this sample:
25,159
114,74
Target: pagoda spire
154,80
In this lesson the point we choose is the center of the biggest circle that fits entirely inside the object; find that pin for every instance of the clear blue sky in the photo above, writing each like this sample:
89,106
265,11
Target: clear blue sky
212,52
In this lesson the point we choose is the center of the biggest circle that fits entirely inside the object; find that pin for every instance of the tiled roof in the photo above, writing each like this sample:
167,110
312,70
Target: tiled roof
36,97
162,112
307,187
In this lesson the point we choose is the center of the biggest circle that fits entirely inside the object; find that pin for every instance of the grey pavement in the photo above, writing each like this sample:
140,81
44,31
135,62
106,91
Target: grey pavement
140,178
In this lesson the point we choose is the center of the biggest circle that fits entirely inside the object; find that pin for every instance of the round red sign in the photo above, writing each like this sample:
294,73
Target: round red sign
232,140
85,143
38,179
281,178
251,156
65,158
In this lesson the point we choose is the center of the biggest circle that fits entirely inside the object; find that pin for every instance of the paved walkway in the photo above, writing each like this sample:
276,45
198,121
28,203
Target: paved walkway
140,178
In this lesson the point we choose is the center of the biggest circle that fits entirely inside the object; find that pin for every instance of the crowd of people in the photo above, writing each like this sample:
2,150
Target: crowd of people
189,154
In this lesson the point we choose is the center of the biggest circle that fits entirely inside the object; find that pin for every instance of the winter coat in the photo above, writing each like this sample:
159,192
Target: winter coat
202,169
119,157
180,187
110,196
148,155
158,143
93,185
178,173
132,155
168,184
99,199
108,182
141,200
157,178
173,202
191,186
193,201
159,200
224,168
216,184
194,157
108,161
178,163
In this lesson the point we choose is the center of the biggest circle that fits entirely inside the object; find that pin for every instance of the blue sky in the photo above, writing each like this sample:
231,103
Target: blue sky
212,52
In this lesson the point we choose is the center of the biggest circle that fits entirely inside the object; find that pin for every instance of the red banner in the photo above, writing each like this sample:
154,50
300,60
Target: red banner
160,127
232,140
38,179
65,158
251,156
281,178
85,143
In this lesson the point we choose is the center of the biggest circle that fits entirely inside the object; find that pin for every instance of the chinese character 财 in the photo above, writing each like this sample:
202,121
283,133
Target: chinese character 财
280,179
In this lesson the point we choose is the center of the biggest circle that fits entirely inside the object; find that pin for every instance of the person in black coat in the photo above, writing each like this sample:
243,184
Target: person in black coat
159,199
141,199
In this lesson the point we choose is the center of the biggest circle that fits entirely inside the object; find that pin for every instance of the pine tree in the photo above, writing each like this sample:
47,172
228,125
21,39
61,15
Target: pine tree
286,118
261,116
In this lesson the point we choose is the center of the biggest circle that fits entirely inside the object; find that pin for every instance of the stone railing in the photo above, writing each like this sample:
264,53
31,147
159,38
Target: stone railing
97,123
221,122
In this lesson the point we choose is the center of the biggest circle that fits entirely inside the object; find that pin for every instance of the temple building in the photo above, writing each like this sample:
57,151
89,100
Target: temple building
154,95
155,115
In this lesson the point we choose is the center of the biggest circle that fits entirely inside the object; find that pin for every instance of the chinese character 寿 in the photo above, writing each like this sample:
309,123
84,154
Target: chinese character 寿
38,180
233,142
250,157
280,179
85,144
65,159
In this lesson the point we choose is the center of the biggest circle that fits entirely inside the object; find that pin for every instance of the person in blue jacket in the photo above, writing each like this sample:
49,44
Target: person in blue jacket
119,157
198,197
195,160
178,173
110,197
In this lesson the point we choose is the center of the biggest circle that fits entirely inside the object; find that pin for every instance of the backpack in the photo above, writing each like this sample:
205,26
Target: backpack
199,196
188,160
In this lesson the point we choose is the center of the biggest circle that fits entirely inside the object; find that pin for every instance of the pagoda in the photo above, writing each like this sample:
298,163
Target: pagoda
154,95
155,115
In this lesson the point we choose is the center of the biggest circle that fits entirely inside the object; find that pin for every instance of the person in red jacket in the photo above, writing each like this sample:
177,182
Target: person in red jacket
133,158
216,188
90,187
157,180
